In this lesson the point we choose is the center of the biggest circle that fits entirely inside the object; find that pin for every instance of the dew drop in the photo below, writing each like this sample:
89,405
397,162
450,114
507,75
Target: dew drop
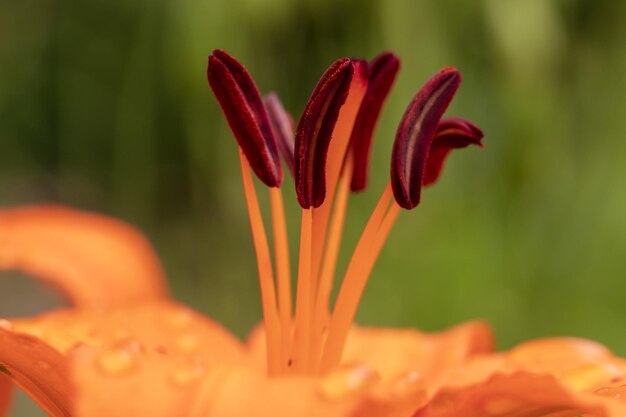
120,359
6,324
178,318
30,329
188,342
589,376
619,393
187,374
348,380
408,382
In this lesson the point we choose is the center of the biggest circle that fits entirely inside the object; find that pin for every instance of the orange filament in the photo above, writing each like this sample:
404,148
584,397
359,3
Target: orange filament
355,279
300,355
264,264
322,296
337,152
283,273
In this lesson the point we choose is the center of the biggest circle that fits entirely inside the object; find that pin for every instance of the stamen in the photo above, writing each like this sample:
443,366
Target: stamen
383,71
264,265
300,355
345,123
282,124
283,273
452,133
415,135
325,284
324,173
314,132
247,117
355,279
337,154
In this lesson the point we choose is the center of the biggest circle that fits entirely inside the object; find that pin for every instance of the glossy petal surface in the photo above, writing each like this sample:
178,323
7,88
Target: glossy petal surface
39,370
6,395
428,354
146,359
92,259
520,394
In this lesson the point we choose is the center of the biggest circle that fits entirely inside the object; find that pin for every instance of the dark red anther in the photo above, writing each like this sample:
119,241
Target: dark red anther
452,133
315,129
416,133
282,123
247,117
383,71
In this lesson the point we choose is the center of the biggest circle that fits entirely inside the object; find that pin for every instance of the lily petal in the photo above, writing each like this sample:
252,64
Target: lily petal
349,391
427,354
520,394
162,326
6,394
92,259
38,369
143,359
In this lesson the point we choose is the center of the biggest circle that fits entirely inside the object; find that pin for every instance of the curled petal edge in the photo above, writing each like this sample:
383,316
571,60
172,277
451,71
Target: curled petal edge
93,260
39,370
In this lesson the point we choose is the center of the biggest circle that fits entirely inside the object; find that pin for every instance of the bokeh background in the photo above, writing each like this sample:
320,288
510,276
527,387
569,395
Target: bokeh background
104,105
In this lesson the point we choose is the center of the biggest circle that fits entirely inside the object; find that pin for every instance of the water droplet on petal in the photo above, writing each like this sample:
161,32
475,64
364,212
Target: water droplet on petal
178,318
405,383
408,388
187,374
187,342
6,324
30,329
348,380
120,359
619,393
589,376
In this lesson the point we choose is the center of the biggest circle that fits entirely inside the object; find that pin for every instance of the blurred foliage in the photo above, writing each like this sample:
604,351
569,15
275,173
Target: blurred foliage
104,105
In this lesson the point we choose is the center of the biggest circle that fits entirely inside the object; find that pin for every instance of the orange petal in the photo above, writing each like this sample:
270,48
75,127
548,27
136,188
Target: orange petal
393,352
582,365
91,259
162,326
519,395
347,392
6,393
38,369
144,359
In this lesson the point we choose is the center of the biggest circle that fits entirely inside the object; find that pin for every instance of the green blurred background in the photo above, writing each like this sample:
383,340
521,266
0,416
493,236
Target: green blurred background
104,105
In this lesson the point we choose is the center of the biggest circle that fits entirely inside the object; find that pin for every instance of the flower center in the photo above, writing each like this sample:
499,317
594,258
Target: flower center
328,158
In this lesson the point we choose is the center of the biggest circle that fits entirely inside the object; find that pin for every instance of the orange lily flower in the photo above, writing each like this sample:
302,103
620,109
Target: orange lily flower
124,348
